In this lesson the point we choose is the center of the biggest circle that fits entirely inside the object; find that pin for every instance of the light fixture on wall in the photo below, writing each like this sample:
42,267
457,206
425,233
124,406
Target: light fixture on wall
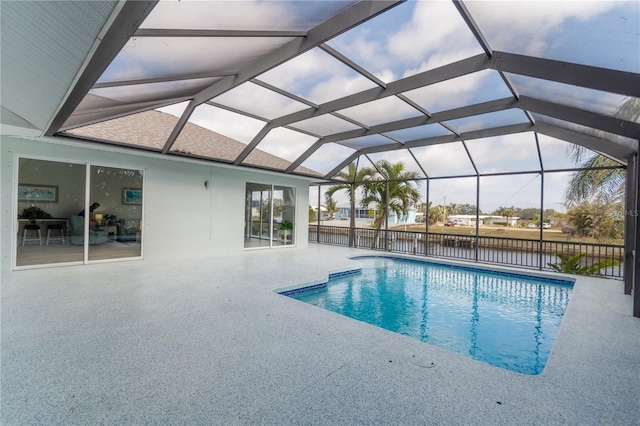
206,184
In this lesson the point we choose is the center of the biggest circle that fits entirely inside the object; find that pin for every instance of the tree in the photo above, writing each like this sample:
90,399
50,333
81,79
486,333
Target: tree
354,179
453,209
436,214
597,220
467,209
330,205
312,214
527,213
507,212
600,185
401,193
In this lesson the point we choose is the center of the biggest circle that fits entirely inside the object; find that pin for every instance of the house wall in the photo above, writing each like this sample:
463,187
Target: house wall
181,217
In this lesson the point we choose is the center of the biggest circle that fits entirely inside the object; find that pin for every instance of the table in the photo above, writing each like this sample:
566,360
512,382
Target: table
112,230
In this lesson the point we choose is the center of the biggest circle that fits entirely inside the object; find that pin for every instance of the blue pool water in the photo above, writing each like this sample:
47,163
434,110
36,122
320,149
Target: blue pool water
507,320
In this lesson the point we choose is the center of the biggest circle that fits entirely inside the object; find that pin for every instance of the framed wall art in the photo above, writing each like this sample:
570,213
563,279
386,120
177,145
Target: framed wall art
131,196
37,193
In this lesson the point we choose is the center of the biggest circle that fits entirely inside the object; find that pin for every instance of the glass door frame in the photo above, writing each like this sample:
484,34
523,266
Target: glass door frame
15,238
266,195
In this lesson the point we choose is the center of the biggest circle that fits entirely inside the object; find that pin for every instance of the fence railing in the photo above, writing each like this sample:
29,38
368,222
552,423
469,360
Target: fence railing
498,250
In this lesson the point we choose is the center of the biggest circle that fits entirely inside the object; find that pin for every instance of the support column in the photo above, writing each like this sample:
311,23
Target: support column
426,220
386,216
352,217
630,222
632,233
319,215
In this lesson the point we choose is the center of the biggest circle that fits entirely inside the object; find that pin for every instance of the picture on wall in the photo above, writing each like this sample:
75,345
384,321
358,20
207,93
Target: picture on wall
131,195
37,193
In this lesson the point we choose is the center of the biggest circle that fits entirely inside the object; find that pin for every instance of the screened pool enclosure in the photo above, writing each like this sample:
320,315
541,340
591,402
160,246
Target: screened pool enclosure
487,104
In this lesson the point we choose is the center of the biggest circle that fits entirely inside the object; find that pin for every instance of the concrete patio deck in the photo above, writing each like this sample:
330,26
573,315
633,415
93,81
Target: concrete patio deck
207,341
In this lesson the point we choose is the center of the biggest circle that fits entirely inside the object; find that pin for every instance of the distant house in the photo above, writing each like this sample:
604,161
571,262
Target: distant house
362,214
470,220
324,213
466,219
408,218
344,213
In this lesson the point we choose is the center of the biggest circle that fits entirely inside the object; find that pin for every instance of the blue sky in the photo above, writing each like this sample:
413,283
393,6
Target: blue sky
410,38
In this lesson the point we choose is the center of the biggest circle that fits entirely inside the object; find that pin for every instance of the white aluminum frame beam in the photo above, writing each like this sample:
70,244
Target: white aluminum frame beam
338,24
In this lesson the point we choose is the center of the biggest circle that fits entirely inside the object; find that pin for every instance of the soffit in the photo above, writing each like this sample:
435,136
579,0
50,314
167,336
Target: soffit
43,47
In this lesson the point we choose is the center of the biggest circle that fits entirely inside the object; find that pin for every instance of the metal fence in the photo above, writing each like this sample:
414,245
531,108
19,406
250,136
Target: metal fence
496,250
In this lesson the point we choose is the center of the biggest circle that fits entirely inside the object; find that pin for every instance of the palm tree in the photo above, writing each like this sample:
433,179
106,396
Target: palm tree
601,186
604,185
597,220
436,214
330,204
354,179
507,212
401,193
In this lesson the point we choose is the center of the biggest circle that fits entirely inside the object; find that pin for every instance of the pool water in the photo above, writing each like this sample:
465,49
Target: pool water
506,320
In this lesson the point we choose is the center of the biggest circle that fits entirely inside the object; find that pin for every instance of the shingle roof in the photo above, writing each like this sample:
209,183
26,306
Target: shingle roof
150,129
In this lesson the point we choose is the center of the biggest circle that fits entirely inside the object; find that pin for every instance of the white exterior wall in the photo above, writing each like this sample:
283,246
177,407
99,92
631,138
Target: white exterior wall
181,217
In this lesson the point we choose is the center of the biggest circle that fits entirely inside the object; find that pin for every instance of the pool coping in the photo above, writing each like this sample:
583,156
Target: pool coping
550,277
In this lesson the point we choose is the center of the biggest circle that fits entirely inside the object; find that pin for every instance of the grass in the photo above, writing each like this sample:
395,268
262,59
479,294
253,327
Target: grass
553,234
503,231
506,238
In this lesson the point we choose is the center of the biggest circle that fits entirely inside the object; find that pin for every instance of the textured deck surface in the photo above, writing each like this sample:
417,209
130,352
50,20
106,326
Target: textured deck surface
208,341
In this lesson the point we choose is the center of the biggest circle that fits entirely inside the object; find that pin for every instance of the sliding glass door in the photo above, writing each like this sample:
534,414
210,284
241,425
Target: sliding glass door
116,221
269,215
48,194
70,212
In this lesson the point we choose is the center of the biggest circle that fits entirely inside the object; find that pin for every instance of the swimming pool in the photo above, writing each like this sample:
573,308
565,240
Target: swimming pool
504,319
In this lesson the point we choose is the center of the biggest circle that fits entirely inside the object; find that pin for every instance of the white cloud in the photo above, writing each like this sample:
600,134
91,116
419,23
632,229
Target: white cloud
257,100
366,51
436,28
226,123
285,143
444,159
229,124
441,58
516,152
154,57
458,191
175,109
450,93
326,124
337,87
383,110
525,25
401,155
327,157
386,75
296,73
506,191
218,14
